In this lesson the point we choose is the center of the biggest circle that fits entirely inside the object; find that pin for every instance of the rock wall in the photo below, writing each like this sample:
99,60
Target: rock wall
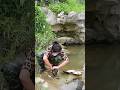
102,21
69,28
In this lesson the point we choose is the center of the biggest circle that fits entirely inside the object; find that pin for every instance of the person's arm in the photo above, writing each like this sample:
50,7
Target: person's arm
25,80
61,64
45,58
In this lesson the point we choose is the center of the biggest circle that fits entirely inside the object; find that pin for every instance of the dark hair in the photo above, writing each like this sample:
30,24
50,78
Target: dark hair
56,47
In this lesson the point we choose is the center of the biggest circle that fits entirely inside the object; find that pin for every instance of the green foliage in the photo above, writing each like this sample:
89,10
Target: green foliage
47,2
16,27
67,6
43,32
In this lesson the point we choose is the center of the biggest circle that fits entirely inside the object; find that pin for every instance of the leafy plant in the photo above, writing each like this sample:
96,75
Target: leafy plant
67,6
43,31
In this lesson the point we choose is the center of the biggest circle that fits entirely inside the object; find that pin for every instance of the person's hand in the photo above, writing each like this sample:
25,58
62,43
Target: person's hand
55,67
51,68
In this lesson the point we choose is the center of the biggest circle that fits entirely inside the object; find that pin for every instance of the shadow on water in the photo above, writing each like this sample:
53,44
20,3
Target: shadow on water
102,67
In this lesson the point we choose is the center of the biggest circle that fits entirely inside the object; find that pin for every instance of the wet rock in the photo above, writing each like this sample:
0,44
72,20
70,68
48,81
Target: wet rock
74,84
51,18
61,19
72,17
61,14
67,40
81,16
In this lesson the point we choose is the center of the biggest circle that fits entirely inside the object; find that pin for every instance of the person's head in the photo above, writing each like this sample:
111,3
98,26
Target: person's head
56,48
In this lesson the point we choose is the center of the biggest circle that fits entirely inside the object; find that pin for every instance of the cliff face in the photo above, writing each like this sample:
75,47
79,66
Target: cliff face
102,21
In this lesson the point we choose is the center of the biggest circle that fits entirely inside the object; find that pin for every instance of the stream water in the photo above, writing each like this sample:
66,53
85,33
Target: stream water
77,60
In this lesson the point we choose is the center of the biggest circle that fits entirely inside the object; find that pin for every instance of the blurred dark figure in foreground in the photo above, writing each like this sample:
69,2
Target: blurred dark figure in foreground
27,73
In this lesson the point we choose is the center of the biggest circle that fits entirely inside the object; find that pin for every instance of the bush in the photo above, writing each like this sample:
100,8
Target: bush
69,5
43,33
17,27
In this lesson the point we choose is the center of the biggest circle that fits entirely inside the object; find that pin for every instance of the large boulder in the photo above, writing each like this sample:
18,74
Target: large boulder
68,41
71,25
52,18
74,84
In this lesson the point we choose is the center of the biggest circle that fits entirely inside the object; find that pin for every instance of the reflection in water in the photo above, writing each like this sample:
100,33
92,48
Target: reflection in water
77,59
102,67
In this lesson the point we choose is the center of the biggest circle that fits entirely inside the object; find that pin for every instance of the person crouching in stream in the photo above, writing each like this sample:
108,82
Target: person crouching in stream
54,57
